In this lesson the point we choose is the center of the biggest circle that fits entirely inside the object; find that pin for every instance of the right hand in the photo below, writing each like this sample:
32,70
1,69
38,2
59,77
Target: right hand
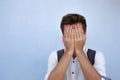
68,39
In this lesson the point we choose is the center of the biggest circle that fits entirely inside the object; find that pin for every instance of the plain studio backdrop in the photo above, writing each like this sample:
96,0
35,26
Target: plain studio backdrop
30,31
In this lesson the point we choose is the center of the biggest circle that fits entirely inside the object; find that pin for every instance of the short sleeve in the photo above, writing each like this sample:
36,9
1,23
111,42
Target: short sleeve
52,62
100,64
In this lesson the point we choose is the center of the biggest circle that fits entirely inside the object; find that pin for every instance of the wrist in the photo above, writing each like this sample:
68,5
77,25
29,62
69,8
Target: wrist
70,52
79,51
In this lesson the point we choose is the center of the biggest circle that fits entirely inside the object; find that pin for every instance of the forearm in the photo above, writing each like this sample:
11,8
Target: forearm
88,70
59,71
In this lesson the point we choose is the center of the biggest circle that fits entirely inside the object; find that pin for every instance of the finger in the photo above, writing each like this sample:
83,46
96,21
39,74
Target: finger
76,33
77,36
82,32
79,32
73,33
65,32
69,32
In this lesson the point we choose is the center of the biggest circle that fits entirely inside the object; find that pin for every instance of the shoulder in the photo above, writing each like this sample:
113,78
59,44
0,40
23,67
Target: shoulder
98,53
52,62
99,57
53,55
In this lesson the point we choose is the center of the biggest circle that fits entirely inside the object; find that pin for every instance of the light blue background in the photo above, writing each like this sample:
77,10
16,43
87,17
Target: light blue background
29,32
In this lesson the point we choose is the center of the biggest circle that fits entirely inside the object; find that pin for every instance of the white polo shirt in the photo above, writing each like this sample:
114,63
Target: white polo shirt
74,71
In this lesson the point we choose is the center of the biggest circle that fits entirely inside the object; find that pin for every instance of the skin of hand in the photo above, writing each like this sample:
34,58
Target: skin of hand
79,38
68,39
74,38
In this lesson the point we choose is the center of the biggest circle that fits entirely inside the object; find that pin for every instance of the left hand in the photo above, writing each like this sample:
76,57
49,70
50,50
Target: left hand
79,38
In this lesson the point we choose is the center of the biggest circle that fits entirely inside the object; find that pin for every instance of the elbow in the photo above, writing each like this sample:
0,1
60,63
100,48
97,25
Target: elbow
55,78
97,77
52,77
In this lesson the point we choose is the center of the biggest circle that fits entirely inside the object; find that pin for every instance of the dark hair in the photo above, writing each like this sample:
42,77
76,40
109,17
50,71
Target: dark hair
70,19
